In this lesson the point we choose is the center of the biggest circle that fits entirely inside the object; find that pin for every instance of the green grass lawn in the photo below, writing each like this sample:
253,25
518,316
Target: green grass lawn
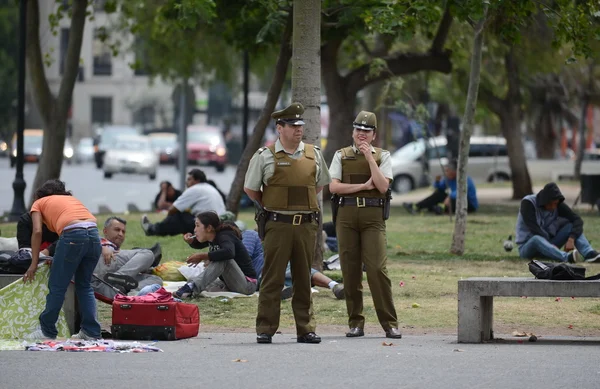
418,250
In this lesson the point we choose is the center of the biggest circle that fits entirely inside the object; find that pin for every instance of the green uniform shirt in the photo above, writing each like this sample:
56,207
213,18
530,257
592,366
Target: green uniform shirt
262,167
335,170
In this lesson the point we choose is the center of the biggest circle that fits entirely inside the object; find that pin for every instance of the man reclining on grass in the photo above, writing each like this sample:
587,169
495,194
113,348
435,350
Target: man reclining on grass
545,224
124,269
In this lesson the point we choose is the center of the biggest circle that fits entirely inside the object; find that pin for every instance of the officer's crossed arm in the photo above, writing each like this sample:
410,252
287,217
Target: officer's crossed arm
336,186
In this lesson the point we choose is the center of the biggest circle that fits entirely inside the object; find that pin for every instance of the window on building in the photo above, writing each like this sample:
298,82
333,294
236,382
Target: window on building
141,58
101,110
144,116
102,54
64,43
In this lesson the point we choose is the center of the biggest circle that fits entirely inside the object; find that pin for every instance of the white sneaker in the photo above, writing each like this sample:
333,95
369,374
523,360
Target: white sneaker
38,335
82,336
574,256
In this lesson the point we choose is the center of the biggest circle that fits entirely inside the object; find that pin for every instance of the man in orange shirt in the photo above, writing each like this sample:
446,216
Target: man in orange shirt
76,255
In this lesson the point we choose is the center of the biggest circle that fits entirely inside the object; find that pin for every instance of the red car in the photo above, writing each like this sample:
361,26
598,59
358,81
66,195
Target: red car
206,146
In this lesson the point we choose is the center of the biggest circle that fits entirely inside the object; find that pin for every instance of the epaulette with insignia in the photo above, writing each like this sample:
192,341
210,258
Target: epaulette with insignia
261,150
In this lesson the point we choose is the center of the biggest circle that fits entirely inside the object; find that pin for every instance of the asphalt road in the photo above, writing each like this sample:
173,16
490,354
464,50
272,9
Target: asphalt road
90,186
425,361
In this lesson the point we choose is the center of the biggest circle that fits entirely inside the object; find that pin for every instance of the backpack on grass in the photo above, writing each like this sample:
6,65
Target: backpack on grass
559,271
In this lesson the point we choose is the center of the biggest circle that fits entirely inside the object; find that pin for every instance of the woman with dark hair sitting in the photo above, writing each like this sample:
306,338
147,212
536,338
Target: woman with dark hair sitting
227,257
76,254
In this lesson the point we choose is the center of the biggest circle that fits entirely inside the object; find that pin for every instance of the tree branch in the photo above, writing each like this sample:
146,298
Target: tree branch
364,46
72,58
493,102
512,75
403,63
44,100
437,45
281,66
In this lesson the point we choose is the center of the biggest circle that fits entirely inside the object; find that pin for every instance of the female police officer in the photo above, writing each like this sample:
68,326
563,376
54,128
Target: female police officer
361,176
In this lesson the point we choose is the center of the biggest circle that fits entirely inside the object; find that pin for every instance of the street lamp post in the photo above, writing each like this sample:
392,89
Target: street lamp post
18,207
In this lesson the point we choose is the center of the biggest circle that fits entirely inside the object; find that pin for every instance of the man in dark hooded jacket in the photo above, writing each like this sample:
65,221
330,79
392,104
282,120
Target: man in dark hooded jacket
545,224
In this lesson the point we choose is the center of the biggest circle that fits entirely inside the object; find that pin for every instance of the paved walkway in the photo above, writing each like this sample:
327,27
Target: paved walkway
234,360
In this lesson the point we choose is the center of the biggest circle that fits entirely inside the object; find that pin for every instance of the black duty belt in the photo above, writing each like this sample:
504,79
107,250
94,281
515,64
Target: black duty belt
362,202
296,219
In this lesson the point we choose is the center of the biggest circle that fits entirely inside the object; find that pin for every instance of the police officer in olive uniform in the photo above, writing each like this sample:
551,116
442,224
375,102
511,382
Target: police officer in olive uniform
285,179
361,175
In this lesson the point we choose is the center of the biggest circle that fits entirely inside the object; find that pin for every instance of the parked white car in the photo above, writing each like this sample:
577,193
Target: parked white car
131,154
488,161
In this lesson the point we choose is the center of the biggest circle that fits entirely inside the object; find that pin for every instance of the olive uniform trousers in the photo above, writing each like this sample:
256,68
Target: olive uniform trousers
283,243
362,239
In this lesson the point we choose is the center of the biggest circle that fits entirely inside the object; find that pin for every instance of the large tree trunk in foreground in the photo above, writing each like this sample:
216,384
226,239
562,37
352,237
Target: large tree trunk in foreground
254,143
460,226
306,82
53,109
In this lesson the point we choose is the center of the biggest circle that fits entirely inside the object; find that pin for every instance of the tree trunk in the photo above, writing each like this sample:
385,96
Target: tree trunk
545,138
460,226
509,112
254,143
521,181
53,109
306,82
585,101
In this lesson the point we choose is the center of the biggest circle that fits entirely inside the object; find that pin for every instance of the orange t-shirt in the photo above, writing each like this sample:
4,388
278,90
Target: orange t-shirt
59,211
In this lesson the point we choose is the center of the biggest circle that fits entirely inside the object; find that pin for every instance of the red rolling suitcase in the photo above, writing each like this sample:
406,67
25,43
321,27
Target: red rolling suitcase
154,321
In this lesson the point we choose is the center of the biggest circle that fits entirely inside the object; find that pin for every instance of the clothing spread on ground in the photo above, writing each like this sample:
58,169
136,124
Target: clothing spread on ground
21,304
160,296
106,346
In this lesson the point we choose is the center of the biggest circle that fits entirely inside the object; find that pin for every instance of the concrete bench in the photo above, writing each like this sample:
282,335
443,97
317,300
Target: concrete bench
70,305
476,300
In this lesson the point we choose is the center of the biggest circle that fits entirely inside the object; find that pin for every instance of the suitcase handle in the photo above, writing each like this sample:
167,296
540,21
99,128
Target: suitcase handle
163,307
125,306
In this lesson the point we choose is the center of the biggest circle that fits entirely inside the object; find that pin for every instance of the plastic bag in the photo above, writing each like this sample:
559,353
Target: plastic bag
169,271
190,272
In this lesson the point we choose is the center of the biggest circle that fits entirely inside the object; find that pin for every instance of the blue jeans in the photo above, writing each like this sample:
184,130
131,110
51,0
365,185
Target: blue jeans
538,246
77,254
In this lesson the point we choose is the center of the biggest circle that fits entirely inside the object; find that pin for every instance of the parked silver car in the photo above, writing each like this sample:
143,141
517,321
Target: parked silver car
488,161
131,154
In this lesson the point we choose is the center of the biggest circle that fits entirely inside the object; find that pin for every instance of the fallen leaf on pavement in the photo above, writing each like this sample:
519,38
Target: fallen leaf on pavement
387,344
239,360
459,350
522,334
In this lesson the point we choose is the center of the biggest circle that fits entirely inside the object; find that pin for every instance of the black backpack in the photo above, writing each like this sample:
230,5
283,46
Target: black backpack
559,271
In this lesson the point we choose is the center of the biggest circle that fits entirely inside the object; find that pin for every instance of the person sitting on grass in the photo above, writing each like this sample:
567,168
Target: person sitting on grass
439,196
166,197
226,259
199,196
545,224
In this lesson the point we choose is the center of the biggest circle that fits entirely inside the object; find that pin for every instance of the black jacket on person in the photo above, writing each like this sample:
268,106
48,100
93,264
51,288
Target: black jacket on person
25,228
170,199
550,192
227,246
